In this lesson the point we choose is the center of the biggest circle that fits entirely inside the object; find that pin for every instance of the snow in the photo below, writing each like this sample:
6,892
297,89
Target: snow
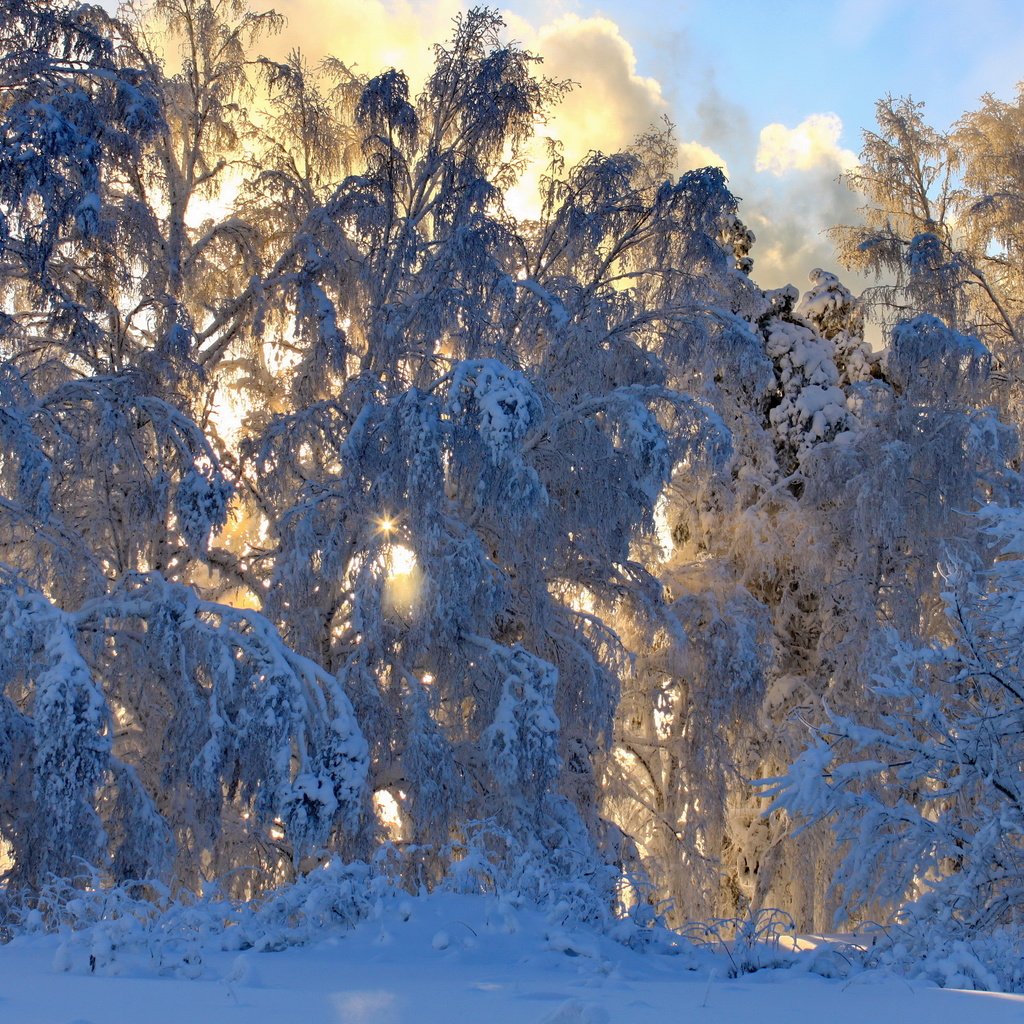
450,957
506,403
515,438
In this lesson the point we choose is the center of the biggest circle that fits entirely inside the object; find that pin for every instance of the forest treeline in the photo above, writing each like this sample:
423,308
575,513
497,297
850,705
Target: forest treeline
345,514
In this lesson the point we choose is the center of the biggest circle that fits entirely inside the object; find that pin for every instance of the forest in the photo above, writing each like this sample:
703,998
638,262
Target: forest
349,518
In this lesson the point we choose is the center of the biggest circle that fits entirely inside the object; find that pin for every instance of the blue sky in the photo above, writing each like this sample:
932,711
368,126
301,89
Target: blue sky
723,71
727,69
780,60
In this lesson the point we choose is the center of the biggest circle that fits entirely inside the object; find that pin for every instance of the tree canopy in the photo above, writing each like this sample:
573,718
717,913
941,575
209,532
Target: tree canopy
345,514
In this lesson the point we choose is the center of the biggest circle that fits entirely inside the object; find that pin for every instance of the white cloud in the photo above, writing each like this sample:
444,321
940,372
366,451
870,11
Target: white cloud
790,217
609,106
372,35
812,144
612,103
696,154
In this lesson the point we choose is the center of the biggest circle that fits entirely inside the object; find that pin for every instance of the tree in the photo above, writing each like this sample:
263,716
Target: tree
497,378
789,563
347,489
954,456
926,795
908,176
939,226
422,535
70,113
109,491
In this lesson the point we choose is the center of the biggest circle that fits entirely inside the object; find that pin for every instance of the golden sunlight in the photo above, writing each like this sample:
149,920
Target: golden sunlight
581,599
401,561
404,582
389,814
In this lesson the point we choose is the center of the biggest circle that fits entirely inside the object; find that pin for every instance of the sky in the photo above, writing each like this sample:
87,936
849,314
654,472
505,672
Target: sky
776,91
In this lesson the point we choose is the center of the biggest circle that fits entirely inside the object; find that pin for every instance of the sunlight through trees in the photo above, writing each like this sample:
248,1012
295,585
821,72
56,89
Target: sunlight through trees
345,513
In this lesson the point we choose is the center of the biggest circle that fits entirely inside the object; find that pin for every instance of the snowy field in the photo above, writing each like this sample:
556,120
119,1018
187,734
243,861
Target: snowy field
455,959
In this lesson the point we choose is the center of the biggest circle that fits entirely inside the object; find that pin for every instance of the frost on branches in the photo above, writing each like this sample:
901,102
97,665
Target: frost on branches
454,430
346,517
148,726
926,794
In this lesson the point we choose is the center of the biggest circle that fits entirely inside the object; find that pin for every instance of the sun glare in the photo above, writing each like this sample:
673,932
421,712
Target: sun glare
403,578
389,814
401,561
581,600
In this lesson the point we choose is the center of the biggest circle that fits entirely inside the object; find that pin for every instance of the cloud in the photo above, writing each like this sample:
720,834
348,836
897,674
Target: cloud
791,223
721,122
811,144
610,106
788,211
611,103
696,154
794,195
371,36
790,217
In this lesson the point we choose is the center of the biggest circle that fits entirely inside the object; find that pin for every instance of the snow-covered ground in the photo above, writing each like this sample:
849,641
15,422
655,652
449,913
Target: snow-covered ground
454,959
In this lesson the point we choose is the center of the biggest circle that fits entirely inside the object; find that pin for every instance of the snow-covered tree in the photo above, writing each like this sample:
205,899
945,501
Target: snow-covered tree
70,114
897,501
145,730
797,555
940,228
338,506
925,794
148,728
417,487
